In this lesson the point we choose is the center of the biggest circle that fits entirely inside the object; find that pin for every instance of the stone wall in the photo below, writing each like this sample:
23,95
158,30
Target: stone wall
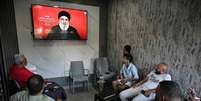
159,31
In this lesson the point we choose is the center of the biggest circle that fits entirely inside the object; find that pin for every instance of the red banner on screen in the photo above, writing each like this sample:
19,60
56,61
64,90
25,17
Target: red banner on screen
45,17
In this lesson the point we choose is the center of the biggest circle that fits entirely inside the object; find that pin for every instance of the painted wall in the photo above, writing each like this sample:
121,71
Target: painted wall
52,58
158,31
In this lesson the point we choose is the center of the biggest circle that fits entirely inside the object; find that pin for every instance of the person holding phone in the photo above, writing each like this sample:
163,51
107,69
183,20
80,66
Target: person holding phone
128,74
145,89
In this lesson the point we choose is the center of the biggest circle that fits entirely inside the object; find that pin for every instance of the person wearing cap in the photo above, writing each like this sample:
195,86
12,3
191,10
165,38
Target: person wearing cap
63,30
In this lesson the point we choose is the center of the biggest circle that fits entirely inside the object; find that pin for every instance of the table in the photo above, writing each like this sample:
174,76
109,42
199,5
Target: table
105,92
106,95
101,83
54,91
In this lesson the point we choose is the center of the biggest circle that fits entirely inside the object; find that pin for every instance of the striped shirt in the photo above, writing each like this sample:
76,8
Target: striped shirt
24,96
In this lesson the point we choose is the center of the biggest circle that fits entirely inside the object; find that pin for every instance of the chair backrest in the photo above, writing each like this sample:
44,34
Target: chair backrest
76,68
140,73
102,65
14,87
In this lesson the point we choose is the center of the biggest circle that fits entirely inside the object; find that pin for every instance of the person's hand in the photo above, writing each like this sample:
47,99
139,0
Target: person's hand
59,100
147,93
136,85
196,98
191,94
119,81
118,77
130,78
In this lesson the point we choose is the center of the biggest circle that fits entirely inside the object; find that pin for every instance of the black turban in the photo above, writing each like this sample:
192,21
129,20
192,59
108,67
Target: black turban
64,13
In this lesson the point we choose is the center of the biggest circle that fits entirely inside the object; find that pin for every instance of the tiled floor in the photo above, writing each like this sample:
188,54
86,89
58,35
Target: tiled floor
81,94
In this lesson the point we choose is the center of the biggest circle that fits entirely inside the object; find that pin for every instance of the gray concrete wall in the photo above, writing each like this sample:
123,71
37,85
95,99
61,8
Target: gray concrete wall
159,31
52,58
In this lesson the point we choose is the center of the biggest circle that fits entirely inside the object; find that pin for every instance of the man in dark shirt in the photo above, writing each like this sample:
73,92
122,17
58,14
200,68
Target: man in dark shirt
63,30
168,91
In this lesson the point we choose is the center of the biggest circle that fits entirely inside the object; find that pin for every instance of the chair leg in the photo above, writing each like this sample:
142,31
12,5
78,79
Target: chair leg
71,82
87,85
73,88
83,85
68,82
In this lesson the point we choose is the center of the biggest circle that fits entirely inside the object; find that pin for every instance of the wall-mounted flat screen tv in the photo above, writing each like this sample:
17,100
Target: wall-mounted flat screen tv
56,23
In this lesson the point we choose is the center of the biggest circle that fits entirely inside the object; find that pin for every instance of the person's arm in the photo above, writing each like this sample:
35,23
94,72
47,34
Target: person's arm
54,33
76,35
168,77
192,95
13,97
59,100
144,80
141,82
135,75
121,73
151,90
11,74
148,92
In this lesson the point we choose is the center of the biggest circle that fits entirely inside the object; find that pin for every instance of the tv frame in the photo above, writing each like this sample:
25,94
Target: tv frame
32,21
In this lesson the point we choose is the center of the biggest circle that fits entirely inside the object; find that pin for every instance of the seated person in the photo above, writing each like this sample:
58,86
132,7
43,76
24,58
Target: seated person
55,91
128,73
18,72
127,50
148,84
35,86
168,91
192,96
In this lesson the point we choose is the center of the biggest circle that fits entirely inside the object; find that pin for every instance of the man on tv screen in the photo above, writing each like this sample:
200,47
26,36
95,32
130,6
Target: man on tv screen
63,30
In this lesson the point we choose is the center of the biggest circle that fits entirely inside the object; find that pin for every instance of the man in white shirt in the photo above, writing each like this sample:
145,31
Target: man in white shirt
128,73
149,84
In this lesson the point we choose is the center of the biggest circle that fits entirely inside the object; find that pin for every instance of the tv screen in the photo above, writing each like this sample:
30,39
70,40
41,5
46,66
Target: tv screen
55,23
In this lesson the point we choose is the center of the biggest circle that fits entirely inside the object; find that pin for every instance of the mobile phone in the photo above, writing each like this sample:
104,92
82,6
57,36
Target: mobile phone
142,91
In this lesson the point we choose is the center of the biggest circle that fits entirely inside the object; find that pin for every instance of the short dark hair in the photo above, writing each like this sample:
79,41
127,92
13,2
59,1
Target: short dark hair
128,57
127,48
35,84
64,13
169,89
